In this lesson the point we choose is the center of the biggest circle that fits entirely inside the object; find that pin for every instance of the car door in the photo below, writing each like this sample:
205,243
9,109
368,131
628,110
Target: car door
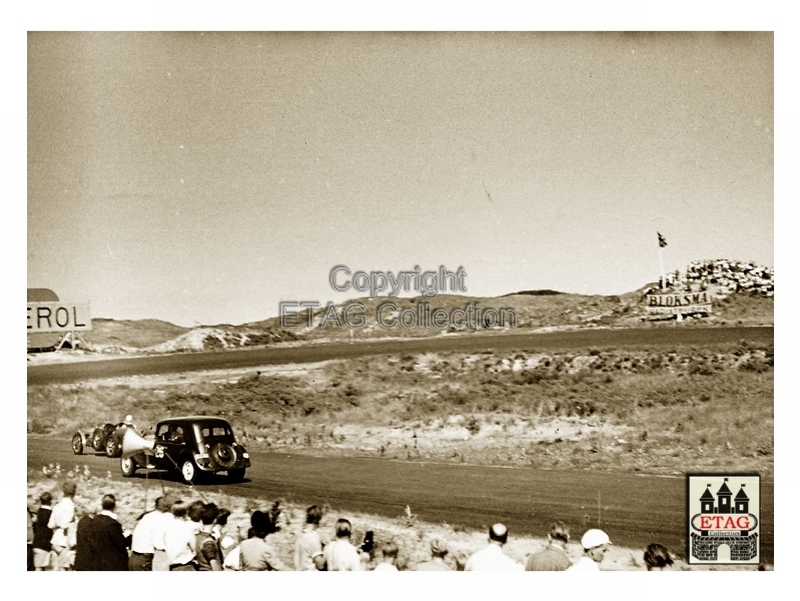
170,440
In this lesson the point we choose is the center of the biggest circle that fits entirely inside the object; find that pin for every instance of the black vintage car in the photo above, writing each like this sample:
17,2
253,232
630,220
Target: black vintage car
190,447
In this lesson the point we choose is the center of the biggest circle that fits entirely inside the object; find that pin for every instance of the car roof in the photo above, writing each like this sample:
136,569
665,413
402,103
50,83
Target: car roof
195,418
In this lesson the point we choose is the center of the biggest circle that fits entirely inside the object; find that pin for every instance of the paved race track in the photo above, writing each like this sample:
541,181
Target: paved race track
635,510
667,336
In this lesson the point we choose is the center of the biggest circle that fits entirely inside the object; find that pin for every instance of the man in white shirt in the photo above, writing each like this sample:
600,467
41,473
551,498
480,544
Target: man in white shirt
148,537
341,555
595,544
309,543
389,550
179,540
60,519
160,563
491,558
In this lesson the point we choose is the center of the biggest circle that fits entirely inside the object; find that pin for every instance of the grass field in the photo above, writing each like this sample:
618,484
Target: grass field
649,410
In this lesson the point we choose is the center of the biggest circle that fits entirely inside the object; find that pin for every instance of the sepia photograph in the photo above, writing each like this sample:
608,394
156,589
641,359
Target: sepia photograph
400,301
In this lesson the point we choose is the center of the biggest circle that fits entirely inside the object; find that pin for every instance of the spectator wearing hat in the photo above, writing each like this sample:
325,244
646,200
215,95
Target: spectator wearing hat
309,543
657,557
61,518
340,555
595,544
491,558
552,558
389,551
436,563
255,554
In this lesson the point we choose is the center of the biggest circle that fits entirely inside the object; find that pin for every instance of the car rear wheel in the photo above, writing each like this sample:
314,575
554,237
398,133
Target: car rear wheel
113,448
189,471
236,475
97,439
77,444
128,466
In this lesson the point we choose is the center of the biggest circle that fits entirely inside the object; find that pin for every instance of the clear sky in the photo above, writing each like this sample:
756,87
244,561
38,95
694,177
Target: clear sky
204,177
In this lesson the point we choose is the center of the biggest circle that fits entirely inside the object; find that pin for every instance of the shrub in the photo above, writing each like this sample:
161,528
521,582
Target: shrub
700,368
754,364
38,427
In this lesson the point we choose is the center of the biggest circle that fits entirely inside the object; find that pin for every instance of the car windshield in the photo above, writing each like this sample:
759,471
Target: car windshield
171,433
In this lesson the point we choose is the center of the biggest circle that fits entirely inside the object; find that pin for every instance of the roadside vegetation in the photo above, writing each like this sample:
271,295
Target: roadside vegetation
651,410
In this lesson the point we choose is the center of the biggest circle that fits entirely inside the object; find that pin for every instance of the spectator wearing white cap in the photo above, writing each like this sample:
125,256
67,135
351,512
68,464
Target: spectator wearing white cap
595,544
491,558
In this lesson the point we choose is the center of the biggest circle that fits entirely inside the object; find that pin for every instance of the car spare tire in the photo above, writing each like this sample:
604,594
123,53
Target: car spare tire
224,455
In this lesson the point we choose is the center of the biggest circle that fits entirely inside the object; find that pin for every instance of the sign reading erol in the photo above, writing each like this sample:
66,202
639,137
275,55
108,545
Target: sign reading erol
682,303
58,317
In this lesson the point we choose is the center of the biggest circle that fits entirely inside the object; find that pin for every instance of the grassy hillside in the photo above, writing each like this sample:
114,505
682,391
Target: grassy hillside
533,310
131,333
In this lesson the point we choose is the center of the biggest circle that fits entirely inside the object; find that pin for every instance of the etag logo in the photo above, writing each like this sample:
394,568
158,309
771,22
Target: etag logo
723,519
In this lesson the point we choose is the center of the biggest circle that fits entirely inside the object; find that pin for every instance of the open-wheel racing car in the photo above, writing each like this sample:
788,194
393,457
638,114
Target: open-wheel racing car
188,446
103,439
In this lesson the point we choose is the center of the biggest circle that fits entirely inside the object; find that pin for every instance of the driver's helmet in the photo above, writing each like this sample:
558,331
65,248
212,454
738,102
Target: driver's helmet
128,420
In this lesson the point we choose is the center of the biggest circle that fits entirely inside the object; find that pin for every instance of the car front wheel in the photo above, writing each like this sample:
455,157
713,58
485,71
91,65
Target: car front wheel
77,444
113,448
128,466
189,471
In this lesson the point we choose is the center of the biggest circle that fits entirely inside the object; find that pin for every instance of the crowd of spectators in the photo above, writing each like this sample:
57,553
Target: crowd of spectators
722,277
177,536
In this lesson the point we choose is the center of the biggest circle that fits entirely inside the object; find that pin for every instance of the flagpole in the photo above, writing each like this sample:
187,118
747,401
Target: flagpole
661,262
